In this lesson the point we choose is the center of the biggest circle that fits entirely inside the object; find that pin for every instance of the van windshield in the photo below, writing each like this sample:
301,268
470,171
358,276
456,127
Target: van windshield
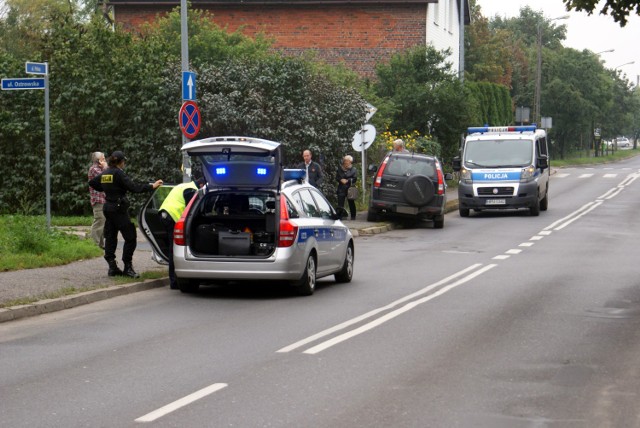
498,153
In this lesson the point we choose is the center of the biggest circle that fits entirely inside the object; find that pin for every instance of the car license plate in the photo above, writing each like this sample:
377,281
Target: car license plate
495,202
407,210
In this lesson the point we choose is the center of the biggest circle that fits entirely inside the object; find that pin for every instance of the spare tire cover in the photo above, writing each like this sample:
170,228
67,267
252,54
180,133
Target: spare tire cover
418,190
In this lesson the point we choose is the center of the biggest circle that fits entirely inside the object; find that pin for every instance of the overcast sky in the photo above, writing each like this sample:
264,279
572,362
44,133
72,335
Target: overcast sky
596,32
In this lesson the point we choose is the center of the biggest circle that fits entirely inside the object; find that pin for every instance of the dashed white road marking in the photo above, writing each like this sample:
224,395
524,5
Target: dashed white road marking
501,257
585,175
513,251
171,407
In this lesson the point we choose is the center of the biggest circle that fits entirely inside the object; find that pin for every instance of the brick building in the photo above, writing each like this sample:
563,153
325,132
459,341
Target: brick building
359,33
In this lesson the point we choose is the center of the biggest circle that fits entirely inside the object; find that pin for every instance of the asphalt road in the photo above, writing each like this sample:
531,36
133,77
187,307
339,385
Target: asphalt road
498,320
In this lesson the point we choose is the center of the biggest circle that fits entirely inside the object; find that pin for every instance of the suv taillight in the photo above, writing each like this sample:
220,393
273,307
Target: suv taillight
288,231
440,179
378,181
178,229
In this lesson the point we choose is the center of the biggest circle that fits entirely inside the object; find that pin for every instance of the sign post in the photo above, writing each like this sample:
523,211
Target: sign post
28,83
362,139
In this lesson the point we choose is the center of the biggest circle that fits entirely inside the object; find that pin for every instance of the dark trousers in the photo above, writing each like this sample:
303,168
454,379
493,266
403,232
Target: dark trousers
119,222
352,204
169,224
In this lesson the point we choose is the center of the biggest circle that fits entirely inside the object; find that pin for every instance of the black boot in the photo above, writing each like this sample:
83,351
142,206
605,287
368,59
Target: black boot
128,271
114,270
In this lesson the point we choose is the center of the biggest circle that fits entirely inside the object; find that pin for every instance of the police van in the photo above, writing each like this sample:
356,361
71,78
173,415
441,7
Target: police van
503,167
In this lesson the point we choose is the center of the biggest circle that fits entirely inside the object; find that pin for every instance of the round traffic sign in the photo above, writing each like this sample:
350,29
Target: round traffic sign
363,138
189,118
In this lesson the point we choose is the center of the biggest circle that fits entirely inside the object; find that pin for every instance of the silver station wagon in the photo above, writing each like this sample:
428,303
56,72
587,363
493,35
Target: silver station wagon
252,220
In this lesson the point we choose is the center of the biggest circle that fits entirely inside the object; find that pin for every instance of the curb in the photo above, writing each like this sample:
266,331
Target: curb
53,305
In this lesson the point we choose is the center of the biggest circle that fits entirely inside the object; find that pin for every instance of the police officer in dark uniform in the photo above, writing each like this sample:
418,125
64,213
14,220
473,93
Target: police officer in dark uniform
115,184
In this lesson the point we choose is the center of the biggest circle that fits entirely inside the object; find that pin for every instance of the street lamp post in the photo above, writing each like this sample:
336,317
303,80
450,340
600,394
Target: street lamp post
622,65
538,88
608,50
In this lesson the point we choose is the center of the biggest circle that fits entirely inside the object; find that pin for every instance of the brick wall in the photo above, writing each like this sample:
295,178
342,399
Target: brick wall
360,36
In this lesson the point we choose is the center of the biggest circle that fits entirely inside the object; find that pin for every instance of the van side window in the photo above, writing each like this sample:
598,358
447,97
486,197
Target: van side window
541,146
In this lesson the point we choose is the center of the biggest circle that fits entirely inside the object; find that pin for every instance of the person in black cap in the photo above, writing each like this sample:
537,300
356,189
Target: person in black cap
115,184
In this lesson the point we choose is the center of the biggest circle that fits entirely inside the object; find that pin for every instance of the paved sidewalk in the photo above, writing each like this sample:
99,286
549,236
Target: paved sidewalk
92,274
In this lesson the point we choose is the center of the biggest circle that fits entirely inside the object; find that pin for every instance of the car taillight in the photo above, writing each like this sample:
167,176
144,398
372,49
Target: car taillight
288,231
178,229
378,181
440,179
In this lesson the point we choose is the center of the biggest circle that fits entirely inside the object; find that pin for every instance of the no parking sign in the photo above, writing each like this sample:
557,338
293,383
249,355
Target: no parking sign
189,118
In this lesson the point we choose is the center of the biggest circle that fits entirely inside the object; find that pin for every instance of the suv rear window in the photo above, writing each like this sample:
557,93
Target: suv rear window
410,166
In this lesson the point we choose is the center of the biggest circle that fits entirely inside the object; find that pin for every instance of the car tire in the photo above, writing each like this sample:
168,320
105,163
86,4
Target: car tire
346,273
187,285
373,216
544,203
418,190
306,285
438,222
464,212
534,210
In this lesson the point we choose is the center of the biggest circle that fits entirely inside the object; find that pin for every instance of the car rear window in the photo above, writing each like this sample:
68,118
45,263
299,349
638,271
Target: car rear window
410,166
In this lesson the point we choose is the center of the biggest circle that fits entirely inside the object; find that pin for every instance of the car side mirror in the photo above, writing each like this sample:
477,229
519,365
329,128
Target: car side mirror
448,176
543,162
372,169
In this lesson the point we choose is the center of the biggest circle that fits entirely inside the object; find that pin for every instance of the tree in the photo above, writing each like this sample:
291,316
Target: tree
424,95
618,9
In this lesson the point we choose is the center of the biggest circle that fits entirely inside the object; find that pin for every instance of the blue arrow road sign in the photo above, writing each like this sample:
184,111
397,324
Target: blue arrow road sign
188,86
22,83
36,67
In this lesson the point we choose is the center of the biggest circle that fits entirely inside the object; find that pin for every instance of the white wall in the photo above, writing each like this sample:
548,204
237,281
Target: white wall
443,28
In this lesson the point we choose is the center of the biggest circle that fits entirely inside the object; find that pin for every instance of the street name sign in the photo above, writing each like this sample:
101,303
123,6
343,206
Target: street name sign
23,83
36,68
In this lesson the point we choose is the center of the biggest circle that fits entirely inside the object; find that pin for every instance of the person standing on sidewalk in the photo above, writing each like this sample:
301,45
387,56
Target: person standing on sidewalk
347,177
115,184
170,212
98,165
313,170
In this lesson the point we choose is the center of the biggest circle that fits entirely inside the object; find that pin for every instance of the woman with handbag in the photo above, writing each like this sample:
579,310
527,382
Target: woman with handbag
347,177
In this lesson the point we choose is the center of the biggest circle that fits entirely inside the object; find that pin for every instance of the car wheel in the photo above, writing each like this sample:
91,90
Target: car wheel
535,208
418,190
306,285
544,203
346,273
464,212
187,285
373,216
438,222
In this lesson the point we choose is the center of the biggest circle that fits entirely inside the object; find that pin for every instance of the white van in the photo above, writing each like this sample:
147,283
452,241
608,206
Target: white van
503,167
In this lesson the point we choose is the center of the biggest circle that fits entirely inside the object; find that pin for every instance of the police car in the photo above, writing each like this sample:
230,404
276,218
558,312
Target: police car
504,167
252,221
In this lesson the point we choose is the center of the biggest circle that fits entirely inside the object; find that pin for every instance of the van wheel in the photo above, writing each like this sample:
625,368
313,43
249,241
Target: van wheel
464,212
187,285
535,208
373,216
346,273
544,203
306,285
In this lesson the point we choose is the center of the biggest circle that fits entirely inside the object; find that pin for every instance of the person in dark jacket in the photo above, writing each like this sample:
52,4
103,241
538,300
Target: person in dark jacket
347,177
313,170
115,184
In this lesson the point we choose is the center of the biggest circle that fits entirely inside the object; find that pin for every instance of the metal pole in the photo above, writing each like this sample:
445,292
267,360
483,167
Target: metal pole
184,49
47,146
536,101
364,161
461,43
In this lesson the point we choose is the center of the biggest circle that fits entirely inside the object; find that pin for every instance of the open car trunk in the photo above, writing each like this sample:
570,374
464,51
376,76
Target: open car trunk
233,223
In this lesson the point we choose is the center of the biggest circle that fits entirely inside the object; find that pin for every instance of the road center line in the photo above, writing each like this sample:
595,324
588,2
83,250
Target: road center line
375,311
171,407
389,316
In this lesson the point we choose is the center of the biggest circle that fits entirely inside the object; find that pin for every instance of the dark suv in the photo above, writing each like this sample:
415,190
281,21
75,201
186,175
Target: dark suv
409,186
